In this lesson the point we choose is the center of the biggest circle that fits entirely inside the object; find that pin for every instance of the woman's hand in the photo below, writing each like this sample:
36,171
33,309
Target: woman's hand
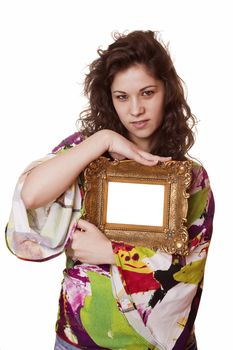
119,147
89,245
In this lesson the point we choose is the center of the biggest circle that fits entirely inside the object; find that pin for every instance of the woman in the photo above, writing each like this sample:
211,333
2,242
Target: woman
115,295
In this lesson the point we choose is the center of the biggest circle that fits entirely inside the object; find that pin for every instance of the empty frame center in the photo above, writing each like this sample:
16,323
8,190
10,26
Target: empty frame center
135,204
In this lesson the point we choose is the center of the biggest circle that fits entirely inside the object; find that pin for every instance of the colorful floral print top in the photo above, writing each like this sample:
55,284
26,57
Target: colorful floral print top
147,300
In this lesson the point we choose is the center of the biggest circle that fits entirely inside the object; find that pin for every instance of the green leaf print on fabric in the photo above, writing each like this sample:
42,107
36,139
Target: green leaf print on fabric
146,252
196,205
191,273
104,322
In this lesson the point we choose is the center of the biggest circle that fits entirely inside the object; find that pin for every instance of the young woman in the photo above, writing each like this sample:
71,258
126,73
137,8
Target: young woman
115,295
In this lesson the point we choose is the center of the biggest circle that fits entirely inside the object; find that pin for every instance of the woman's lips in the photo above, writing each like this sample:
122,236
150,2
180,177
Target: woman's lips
141,124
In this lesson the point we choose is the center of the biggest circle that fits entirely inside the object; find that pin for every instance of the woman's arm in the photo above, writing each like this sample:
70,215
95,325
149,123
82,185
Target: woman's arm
50,179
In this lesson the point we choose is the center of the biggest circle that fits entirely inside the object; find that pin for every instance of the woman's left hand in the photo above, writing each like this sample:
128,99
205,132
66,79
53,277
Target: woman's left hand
89,245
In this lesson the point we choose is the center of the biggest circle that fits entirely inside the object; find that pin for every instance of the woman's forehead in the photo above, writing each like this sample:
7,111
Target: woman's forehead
137,74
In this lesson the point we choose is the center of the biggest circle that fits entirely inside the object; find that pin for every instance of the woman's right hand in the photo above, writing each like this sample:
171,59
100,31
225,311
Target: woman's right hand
119,147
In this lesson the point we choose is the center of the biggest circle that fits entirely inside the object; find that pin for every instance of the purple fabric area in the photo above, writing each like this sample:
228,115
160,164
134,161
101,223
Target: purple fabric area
73,139
75,325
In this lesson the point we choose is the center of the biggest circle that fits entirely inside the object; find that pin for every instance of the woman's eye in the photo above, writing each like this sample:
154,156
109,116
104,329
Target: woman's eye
121,97
147,93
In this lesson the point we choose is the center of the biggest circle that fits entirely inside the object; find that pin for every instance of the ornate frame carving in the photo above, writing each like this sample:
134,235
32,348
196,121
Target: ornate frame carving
172,235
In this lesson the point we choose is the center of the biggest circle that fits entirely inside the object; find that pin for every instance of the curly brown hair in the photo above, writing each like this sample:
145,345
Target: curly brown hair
175,136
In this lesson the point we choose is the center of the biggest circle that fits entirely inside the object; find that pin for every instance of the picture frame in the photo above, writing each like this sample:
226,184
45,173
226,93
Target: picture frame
118,197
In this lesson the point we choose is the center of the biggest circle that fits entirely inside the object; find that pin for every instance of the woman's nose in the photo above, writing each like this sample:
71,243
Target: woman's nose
136,108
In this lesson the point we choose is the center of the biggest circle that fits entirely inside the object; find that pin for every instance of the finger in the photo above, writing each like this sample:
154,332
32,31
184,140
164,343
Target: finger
76,234
74,246
145,158
164,159
140,159
152,157
84,224
75,239
147,155
118,156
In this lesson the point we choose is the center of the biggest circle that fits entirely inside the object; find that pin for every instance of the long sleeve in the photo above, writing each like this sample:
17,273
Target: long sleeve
166,289
42,233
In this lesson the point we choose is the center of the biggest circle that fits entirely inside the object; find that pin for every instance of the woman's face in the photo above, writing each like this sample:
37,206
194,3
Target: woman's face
138,98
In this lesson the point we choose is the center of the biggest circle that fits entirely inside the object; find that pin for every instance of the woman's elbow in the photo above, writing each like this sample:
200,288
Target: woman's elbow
28,199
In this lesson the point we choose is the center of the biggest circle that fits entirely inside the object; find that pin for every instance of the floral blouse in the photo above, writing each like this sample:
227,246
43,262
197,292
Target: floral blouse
147,300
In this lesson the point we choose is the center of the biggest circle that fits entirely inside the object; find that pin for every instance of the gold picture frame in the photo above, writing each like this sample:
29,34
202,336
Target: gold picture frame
113,187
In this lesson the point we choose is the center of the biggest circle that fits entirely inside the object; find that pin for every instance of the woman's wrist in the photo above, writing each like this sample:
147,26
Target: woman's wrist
105,136
111,258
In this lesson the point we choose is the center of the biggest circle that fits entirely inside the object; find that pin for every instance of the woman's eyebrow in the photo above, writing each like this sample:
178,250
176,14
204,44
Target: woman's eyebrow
148,86
122,92
145,87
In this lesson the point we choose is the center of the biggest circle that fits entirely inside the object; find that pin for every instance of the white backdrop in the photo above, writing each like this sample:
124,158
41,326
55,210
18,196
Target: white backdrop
45,47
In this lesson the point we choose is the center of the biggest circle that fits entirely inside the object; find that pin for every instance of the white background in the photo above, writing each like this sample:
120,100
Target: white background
45,47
